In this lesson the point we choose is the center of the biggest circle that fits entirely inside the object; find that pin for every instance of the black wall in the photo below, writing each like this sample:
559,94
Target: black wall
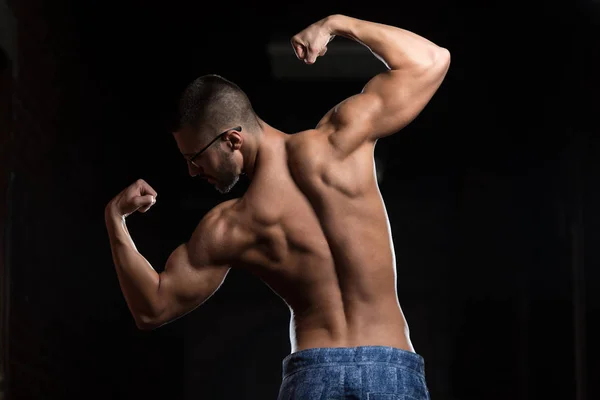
491,193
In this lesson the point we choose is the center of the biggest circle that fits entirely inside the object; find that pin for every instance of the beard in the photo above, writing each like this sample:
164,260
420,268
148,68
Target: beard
227,176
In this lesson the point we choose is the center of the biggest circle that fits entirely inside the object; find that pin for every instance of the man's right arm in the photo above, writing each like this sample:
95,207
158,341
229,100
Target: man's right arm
392,99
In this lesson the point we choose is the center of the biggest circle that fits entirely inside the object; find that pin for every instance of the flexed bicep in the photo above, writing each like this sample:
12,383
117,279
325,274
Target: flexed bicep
196,269
388,103
186,283
392,99
402,94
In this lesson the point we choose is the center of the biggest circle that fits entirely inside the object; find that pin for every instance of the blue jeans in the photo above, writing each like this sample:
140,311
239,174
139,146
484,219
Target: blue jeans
358,373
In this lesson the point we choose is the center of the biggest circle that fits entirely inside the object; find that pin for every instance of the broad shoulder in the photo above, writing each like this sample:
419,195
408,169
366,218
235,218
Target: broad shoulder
310,137
308,150
318,150
318,160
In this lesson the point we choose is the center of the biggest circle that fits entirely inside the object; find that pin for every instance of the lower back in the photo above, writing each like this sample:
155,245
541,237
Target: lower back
376,324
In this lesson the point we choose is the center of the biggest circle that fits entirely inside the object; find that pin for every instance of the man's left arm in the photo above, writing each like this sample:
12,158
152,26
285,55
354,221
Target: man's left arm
190,277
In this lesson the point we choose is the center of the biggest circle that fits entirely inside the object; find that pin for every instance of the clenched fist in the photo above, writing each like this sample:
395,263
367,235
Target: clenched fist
138,196
312,41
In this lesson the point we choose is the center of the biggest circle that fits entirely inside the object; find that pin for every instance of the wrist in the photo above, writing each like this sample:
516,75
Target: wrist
111,213
337,24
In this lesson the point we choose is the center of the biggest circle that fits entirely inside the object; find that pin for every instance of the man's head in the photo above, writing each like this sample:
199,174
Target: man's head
216,120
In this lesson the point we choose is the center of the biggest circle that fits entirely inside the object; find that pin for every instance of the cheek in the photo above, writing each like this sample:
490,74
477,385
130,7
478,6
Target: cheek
234,165
214,163
225,163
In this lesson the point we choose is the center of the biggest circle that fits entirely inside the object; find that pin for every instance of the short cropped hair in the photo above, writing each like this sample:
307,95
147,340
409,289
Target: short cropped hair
215,103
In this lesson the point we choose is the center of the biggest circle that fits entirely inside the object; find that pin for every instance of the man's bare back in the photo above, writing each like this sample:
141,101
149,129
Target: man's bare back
312,224
340,294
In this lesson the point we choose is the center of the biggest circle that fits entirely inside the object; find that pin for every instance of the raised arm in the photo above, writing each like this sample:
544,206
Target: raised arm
194,271
390,100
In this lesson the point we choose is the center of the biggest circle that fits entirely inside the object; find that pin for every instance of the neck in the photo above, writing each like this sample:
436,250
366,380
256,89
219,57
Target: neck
259,144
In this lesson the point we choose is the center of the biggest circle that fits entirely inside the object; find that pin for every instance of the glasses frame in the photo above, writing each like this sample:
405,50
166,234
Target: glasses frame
192,158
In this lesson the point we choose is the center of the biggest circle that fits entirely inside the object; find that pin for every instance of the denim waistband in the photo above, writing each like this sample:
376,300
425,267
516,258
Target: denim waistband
361,354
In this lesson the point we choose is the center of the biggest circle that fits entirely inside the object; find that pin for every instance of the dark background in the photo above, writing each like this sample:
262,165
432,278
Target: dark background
492,194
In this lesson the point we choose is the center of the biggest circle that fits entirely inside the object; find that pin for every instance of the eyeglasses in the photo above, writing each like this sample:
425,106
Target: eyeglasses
191,159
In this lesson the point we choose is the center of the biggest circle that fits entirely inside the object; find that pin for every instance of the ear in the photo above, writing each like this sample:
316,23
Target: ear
234,139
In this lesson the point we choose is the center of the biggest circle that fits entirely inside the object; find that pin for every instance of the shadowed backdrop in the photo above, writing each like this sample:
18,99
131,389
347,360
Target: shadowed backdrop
491,192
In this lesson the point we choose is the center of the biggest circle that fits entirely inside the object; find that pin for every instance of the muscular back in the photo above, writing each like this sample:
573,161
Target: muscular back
320,211
322,243
324,239
344,195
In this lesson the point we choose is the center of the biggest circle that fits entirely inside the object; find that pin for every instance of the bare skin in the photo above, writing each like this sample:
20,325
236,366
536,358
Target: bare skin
312,225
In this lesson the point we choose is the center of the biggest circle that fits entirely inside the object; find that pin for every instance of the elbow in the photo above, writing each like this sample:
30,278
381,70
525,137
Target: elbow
441,60
442,57
434,59
145,327
438,63
151,317
146,323
438,59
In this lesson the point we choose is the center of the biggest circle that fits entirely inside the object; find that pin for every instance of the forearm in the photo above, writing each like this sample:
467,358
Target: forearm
139,281
397,47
